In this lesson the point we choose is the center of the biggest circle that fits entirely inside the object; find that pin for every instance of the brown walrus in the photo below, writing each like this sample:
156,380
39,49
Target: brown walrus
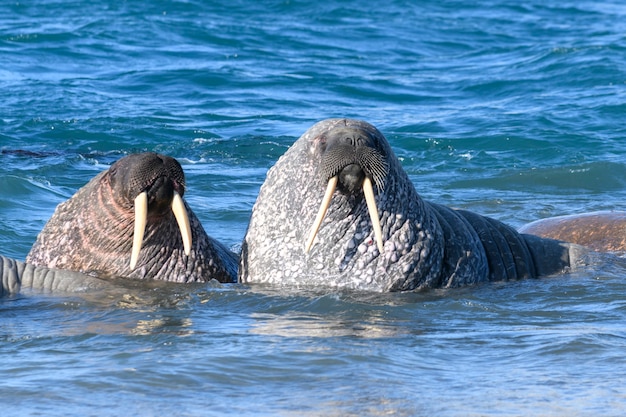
131,221
600,230
372,230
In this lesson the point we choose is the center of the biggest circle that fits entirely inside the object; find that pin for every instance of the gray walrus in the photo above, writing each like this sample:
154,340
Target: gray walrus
131,221
16,275
600,230
372,230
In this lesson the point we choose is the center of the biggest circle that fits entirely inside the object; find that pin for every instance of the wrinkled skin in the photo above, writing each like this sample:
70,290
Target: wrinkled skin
16,275
424,245
93,232
601,230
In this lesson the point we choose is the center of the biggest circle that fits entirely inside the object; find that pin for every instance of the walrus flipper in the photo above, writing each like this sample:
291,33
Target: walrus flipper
15,275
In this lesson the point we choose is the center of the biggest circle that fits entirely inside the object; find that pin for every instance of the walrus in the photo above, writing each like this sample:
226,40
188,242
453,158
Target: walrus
16,276
337,210
603,231
131,221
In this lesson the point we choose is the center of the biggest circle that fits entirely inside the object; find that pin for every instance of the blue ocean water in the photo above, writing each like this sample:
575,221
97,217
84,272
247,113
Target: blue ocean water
511,110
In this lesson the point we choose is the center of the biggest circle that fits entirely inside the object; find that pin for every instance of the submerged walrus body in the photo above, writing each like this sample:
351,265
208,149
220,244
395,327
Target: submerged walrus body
601,230
373,231
131,221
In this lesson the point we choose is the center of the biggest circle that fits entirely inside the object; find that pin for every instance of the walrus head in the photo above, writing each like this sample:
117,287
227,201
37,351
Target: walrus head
350,161
337,210
133,211
153,184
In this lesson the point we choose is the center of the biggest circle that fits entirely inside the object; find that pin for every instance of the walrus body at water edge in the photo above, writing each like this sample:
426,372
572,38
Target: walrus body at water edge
337,210
601,230
131,221
372,231
16,275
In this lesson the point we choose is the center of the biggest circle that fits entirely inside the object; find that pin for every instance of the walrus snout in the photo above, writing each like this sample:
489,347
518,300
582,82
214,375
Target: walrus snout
351,160
146,171
154,183
141,219
352,153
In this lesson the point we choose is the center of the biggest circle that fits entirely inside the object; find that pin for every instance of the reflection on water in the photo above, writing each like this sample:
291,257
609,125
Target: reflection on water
303,325
181,327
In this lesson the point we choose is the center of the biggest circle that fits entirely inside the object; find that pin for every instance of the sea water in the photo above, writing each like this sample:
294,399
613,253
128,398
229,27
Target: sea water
512,110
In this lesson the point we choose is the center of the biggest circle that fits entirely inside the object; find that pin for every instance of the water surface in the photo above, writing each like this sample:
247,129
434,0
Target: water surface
515,111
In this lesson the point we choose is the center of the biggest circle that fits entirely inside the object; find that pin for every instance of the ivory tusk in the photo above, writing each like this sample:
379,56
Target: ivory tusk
141,216
330,189
178,208
368,190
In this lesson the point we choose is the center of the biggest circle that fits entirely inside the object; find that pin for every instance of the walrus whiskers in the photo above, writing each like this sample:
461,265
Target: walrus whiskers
330,189
141,215
178,207
368,191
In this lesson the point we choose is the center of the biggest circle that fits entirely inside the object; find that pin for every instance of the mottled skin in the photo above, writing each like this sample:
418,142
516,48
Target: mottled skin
92,232
426,245
601,230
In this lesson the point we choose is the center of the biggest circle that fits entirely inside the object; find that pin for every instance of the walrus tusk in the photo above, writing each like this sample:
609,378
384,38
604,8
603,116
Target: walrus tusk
178,207
330,189
141,216
368,190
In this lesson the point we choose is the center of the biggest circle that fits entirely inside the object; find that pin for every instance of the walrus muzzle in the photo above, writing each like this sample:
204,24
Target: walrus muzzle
156,183
141,218
351,162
